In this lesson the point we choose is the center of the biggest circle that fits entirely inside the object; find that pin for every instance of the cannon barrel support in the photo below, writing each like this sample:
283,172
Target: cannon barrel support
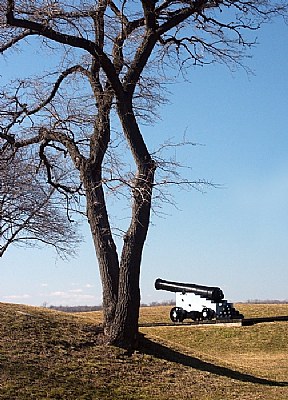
208,292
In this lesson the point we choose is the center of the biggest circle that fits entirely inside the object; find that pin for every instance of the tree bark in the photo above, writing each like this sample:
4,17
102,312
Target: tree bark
124,330
121,288
106,251
105,247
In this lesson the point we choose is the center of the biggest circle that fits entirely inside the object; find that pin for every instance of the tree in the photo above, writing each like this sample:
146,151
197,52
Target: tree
116,56
30,213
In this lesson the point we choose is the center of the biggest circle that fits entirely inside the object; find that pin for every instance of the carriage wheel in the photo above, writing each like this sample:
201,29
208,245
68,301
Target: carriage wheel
177,314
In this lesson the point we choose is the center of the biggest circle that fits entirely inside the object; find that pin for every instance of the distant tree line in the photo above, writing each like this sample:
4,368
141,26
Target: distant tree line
257,301
153,304
76,308
100,307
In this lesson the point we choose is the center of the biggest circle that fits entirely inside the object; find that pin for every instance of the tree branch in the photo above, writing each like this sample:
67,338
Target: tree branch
73,41
16,39
25,112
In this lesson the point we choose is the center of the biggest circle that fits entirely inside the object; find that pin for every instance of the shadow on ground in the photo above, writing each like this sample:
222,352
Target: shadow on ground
165,353
260,320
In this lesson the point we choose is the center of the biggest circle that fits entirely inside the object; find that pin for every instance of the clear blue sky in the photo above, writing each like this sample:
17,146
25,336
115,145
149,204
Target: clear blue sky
235,236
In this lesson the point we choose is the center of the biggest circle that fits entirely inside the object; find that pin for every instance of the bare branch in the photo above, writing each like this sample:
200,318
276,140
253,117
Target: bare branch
67,39
30,212
15,40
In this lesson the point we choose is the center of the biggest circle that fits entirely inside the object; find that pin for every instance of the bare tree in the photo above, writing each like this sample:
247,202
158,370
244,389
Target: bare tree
31,213
114,57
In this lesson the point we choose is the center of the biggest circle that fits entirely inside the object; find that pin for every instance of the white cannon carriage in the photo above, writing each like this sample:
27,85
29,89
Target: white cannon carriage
198,302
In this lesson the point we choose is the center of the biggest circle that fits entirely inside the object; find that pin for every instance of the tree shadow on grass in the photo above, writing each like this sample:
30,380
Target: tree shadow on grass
163,352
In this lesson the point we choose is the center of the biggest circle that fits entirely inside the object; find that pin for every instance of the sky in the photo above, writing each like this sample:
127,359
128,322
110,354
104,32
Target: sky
234,235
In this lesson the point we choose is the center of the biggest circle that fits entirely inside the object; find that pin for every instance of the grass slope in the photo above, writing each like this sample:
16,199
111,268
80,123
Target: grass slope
51,355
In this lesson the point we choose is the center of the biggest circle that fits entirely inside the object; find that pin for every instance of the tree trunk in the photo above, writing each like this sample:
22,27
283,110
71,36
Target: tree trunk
121,289
105,247
124,330
120,284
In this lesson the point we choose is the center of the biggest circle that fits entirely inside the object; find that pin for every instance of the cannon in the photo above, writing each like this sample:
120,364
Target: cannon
208,292
198,302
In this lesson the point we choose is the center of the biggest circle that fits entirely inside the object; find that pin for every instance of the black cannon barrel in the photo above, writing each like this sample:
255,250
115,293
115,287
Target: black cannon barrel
209,292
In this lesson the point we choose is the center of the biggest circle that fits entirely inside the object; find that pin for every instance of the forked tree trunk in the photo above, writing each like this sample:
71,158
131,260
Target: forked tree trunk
120,284
124,330
105,247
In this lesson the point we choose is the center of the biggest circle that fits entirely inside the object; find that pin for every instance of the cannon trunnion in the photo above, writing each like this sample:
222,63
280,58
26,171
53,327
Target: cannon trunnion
198,302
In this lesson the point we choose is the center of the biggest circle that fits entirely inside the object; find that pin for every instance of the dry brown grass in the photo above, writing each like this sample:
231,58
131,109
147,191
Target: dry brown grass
161,313
50,355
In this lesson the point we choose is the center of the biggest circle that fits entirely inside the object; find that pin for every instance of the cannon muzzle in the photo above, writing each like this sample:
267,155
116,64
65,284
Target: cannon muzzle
208,292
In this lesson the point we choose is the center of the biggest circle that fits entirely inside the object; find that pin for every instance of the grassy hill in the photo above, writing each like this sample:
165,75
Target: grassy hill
46,354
